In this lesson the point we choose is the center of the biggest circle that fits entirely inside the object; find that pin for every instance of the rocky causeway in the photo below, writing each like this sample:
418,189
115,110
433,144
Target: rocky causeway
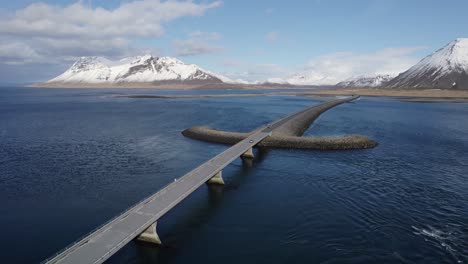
289,134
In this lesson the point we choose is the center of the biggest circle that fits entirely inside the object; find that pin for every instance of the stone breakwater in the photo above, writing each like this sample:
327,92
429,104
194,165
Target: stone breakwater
277,141
288,134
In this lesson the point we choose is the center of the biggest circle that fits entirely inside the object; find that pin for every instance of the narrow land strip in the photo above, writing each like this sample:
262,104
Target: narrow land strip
288,134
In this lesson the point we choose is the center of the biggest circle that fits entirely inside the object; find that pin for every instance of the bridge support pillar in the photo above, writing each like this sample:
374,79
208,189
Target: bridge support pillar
217,179
150,235
248,154
247,163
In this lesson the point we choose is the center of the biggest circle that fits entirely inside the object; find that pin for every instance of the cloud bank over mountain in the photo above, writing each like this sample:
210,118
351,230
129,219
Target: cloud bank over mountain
332,68
269,41
50,31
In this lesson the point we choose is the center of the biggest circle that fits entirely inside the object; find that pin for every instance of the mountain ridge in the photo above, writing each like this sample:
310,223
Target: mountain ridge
139,69
371,81
446,68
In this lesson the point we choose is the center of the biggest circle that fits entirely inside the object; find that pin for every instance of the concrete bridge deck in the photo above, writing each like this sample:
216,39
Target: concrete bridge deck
140,220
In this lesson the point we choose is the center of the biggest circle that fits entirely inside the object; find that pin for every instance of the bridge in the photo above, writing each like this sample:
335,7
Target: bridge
140,221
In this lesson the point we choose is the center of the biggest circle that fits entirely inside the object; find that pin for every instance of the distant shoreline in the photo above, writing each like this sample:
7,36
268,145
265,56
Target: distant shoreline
409,95
174,86
316,95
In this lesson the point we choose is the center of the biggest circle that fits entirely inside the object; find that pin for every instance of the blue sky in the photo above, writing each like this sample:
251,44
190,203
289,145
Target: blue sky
250,40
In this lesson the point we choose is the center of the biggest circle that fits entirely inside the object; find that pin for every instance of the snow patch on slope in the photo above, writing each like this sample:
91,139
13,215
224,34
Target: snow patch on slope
366,81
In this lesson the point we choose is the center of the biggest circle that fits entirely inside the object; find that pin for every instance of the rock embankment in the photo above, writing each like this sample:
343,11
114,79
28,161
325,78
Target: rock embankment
278,141
288,134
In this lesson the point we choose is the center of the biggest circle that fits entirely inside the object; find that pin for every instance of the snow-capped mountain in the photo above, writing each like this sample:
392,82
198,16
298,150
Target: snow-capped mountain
314,79
366,81
301,79
310,78
275,81
272,81
446,68
141,69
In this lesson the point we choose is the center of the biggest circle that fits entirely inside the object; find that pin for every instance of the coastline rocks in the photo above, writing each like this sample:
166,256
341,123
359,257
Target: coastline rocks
209,134
287,131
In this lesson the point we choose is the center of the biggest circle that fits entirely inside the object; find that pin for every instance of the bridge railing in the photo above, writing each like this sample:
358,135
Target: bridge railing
88,234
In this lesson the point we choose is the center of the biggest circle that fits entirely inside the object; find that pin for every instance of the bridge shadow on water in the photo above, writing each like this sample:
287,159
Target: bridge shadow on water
181,225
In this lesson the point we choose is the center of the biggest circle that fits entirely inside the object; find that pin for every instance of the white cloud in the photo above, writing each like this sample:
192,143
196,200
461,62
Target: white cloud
205,35
330,68
255,72
336,67
138,18
198,43
45,30
10,53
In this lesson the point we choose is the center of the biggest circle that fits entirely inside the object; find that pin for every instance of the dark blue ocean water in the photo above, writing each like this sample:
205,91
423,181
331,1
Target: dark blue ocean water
71,159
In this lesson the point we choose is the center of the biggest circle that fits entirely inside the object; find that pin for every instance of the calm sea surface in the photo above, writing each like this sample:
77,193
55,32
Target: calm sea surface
71,159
